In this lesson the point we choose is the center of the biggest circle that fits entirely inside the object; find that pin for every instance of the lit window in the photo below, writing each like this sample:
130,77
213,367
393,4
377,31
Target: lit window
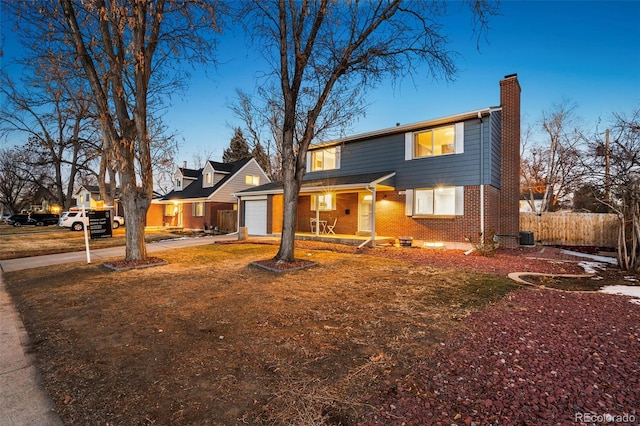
324,202
437,201
325,159
440,141
169,210
207,178
252,180
198,209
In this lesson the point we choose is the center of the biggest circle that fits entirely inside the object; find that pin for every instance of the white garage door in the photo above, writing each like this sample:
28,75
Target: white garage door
255,217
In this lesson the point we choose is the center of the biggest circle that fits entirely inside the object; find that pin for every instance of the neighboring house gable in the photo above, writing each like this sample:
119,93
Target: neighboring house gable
210,189
184,177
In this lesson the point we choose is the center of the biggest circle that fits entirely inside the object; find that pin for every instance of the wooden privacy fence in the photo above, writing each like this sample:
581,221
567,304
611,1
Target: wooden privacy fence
572,229
227,221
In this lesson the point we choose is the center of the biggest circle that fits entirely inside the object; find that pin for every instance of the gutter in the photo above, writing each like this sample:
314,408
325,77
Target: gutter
410,127
372,188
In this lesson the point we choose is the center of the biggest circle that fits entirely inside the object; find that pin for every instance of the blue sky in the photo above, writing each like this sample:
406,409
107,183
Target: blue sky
587,52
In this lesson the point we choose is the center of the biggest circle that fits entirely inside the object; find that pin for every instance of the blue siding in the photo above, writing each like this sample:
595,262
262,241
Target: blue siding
496,147
386,153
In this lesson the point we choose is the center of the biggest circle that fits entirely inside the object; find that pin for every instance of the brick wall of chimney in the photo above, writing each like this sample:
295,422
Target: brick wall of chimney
510,178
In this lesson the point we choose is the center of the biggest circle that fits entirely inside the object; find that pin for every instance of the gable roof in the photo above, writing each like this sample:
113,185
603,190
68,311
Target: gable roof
190,173
195,189
95,189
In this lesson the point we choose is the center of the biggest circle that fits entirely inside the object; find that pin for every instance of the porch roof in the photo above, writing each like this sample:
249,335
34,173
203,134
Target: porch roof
383,180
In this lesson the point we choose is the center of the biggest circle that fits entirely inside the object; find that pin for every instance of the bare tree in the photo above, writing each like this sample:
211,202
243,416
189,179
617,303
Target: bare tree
552,168
324,54
57,122
262,129
16,186
129,52
619,183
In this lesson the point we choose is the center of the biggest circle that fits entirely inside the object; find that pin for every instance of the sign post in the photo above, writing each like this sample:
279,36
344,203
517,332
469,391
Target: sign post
86,237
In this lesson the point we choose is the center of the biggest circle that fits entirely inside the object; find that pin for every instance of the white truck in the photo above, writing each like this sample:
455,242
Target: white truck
76,220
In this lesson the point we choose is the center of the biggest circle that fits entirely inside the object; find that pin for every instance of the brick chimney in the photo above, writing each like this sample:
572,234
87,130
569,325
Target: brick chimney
510,162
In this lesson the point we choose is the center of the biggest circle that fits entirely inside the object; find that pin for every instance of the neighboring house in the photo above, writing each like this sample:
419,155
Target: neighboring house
525,203
88,196
199,195
441,180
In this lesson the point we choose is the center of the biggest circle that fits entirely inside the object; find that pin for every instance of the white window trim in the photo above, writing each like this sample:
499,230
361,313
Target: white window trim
337,160
194,211
252,180
410,203
332,207
409,142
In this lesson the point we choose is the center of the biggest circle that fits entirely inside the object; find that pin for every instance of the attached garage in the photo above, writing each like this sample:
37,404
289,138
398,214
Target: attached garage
255,216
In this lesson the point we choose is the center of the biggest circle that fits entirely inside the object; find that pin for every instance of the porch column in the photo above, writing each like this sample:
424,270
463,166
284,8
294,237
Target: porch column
373,215
317,207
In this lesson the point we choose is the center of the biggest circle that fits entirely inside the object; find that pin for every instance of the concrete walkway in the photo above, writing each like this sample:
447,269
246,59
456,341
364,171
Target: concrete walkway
23,400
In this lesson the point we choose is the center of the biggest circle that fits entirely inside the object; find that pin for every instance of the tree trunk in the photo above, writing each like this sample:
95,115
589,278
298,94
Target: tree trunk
135,204
290,217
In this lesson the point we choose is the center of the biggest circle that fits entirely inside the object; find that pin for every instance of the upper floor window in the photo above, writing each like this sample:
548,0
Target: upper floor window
435,142
178,183
324,159
208,179
252,180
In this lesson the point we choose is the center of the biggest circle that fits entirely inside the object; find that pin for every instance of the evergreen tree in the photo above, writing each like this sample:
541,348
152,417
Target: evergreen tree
263,159
238,148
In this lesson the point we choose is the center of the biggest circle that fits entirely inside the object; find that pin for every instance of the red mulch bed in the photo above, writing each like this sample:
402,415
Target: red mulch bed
548,260
537,357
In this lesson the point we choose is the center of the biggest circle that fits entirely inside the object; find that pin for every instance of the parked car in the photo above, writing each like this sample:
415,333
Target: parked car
37,219
5,217
76,220
118,221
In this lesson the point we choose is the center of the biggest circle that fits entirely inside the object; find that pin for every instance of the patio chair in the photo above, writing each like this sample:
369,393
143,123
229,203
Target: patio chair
329,228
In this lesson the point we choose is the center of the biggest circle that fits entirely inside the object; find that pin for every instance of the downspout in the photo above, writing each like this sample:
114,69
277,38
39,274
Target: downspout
481,179
240,211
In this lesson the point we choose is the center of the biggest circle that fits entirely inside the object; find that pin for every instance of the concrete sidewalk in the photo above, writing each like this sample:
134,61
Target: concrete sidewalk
23,400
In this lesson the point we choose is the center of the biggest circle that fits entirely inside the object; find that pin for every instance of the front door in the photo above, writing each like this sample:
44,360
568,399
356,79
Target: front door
365,207
180,215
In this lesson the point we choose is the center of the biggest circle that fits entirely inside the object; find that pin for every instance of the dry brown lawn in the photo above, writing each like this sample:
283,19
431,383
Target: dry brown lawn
209,339
29,241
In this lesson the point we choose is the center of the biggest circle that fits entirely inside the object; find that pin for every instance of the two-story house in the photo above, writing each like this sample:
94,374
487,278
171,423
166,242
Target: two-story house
440,180
199,194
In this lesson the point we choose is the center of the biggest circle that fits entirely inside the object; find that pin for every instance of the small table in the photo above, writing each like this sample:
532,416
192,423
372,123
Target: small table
322,223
